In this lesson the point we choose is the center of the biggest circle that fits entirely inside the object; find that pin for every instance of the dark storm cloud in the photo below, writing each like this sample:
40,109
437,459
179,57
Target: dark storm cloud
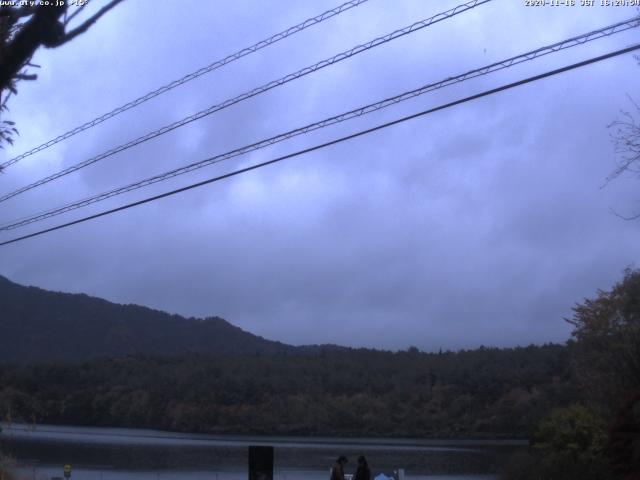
481,224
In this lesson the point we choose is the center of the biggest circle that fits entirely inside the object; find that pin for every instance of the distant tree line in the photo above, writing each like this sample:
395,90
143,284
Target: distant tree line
486,392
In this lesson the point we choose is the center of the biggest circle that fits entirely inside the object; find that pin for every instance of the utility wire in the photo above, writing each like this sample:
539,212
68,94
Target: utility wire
568,43
333,142
256,91
191,76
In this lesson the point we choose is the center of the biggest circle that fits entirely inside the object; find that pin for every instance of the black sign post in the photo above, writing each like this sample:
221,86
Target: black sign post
260,463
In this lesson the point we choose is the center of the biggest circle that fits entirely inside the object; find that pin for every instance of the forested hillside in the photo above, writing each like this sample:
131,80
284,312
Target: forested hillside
80,360
485,392
37,325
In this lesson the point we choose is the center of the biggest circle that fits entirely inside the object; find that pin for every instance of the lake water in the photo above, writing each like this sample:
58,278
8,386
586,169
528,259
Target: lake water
128,454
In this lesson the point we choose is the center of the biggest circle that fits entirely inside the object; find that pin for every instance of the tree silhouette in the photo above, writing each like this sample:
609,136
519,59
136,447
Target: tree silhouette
24,29
606,338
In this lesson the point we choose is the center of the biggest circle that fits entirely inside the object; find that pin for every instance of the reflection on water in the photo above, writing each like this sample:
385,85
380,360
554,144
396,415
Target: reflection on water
126,454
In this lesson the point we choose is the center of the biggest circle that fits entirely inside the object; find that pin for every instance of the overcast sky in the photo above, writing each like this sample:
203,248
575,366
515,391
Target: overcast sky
479,225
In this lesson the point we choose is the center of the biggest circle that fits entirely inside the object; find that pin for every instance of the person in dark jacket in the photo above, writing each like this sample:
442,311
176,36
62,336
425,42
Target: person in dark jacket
362,472
337,472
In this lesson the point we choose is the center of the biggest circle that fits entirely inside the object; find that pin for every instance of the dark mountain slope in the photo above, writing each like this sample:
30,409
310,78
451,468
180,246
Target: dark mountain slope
37,324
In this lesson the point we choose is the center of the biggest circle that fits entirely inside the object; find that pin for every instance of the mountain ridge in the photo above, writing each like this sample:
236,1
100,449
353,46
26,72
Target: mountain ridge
39,325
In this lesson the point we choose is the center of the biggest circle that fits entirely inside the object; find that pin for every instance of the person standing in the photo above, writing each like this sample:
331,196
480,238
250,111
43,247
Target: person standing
337,471
362,472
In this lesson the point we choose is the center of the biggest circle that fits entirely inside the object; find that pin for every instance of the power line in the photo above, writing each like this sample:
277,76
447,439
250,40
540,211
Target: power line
578,40
191,76
252,93
333,142
568,43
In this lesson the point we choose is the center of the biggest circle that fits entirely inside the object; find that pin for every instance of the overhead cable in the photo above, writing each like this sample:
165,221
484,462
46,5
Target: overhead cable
252,93
332,142
503,64
191,76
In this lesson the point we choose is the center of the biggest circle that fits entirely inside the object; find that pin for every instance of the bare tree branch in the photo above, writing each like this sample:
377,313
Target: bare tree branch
16,13
24,29
42,28
85,25
76,12
26,76
626,141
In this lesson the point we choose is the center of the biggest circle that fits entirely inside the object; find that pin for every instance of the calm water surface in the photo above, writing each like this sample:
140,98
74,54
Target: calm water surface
128,454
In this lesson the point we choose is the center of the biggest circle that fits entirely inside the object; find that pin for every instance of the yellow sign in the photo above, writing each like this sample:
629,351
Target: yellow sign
67,470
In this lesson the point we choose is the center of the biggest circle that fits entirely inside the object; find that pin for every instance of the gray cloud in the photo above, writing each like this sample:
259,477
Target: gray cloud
481,224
